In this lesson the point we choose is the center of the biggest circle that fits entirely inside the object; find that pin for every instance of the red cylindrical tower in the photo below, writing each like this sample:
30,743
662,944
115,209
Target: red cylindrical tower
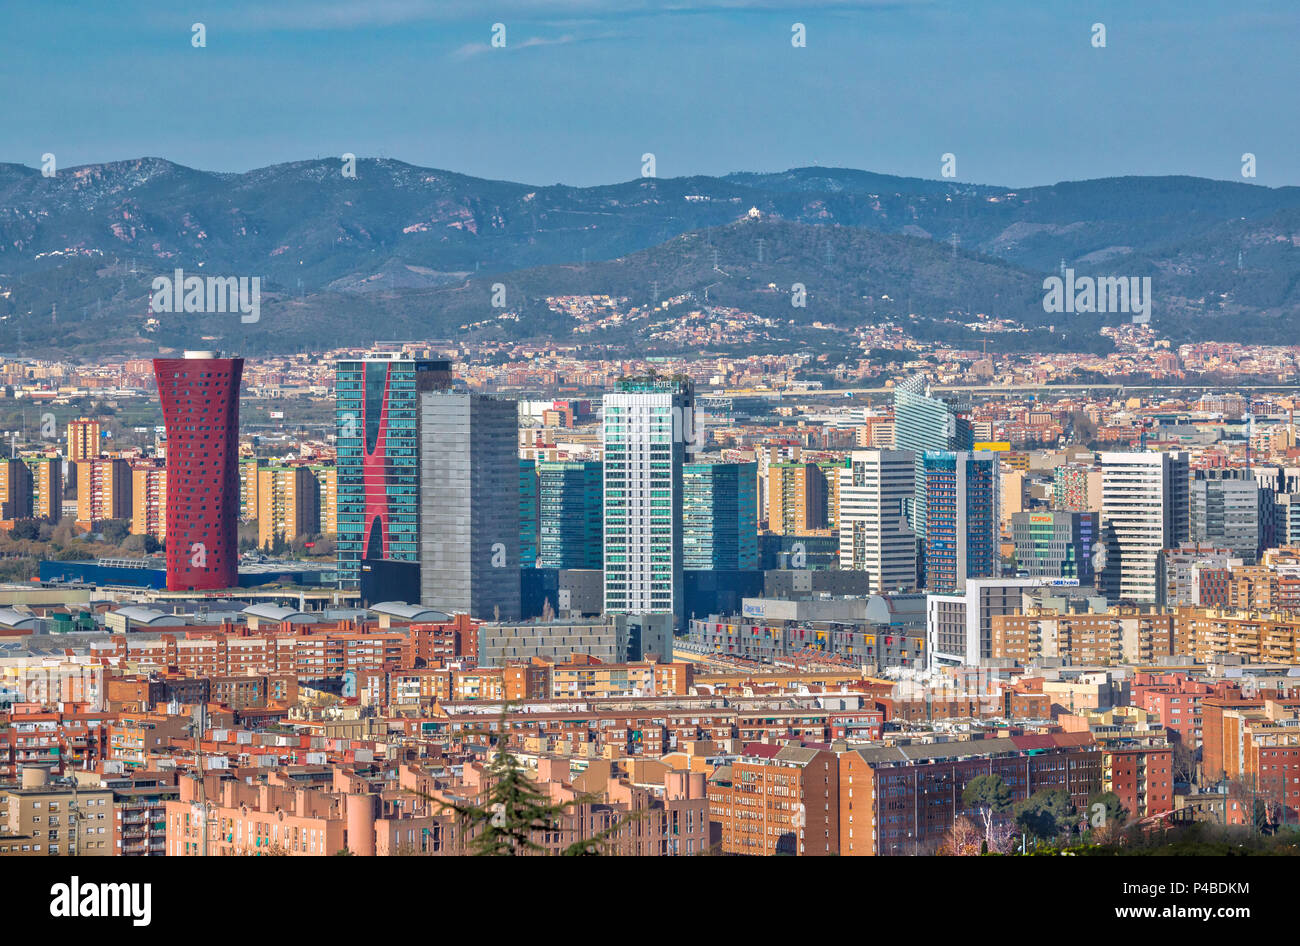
200,403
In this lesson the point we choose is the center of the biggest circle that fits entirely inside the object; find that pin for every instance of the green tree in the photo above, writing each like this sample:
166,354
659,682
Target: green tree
514,810
1046,814
115,531
25,529
1105,811
990,796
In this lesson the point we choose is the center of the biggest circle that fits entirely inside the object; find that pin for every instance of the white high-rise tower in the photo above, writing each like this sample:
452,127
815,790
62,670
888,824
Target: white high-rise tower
876,490
649,427
1144,509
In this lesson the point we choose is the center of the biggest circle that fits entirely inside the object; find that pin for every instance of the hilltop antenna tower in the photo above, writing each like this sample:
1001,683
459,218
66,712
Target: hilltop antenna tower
954,240
761,243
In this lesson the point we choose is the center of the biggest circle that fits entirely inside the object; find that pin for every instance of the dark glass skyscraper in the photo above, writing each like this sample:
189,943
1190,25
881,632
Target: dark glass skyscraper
376,400
200,404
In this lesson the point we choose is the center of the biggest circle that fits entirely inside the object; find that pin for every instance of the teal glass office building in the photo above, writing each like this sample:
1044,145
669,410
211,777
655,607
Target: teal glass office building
570,506
376,400
720,516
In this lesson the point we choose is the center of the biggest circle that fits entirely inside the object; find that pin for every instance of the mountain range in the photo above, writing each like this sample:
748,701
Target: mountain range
400,251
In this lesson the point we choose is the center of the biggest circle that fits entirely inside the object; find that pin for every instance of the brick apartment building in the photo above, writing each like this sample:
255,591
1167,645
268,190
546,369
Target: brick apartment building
903,799
1257,744
1141,777
1175,700
778,799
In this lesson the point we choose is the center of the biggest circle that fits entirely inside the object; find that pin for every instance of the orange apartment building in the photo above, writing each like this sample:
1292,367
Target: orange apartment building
103,491
47,487
584,677
149,500
1257,743
134,736
279,819
327,481
1267,636
1229,725
1175,700
438,644
420,686
249,471
311,652
527,681
15,490
1123,635
797,498
876,433
288,503
83,439
778,799
61,737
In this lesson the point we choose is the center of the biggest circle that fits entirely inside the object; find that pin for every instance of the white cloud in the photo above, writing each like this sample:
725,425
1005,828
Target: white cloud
470,50
354,14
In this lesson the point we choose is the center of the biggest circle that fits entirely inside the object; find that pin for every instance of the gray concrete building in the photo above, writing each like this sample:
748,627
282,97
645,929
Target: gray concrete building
469,504
614,638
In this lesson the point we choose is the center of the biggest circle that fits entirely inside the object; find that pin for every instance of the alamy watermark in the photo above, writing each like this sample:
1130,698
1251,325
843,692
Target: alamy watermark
208,294
1128,294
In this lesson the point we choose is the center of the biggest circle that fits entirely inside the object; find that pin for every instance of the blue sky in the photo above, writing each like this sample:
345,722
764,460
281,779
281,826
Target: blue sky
584,87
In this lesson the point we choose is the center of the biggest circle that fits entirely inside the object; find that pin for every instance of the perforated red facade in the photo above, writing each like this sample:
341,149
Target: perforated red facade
200,403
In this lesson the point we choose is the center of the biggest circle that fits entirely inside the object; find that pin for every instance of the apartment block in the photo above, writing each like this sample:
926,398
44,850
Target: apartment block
901,800
1122,635
248,482
103,490
149,500
288,503
327,483
47,487
778,799
41,819
15,490
1142,778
